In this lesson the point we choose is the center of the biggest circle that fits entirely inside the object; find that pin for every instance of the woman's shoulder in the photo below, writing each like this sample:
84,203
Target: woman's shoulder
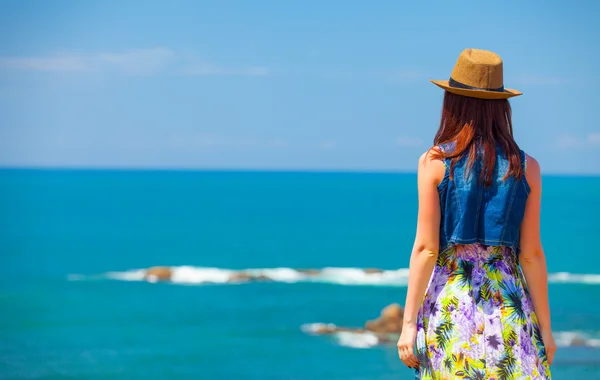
432,165
433,154
533,173
531,162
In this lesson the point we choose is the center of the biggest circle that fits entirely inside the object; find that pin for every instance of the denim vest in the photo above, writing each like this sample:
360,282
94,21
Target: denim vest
472,213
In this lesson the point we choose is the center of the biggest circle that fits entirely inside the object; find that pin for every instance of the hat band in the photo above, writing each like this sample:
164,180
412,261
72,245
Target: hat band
456,84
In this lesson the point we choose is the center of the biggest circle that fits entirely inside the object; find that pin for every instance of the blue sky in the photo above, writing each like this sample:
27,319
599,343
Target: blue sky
326,85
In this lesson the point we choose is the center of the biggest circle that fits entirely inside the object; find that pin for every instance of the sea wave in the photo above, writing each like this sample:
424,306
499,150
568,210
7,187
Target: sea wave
206,275
191,275
354,339
366,339
574,278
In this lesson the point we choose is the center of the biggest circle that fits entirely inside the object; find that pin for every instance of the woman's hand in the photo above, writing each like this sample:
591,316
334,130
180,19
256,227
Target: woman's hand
549,345
406,344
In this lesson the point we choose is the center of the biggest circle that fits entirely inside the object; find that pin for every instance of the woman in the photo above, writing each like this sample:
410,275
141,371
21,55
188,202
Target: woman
477,297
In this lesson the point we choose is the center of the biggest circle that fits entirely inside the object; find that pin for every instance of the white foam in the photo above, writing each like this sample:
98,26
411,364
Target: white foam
343,338
576,338
130,275
358,339
357,276
192,275
574,278
278,274
313,328
203,275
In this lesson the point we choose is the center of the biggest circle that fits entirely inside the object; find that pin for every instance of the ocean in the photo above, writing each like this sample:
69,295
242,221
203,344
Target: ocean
75,304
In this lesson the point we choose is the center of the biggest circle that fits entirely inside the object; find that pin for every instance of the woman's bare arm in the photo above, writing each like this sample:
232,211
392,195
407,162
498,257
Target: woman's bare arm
532,258
426,245
424,253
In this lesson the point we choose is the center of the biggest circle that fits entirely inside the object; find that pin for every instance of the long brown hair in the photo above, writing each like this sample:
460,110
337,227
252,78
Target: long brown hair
469,122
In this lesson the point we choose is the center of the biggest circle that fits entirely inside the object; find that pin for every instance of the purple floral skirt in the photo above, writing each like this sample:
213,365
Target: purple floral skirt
477,319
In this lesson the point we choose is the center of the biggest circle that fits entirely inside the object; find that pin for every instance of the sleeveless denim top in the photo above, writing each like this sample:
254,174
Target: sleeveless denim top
472,213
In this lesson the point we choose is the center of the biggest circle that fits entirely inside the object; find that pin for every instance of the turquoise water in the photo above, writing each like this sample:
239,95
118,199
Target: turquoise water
74,307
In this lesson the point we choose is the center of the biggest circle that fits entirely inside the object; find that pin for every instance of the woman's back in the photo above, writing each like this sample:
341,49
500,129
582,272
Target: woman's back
474,212
477,319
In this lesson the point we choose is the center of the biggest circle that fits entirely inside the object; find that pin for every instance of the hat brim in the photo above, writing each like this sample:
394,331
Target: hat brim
481,94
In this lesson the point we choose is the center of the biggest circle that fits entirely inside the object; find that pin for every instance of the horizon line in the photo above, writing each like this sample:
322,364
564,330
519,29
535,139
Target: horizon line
109,168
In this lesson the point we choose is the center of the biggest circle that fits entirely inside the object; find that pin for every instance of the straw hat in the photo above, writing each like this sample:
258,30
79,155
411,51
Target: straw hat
478,74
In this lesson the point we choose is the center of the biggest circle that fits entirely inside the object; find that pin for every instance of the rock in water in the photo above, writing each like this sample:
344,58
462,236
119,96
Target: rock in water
390,320
392,312
240,277
158,274
309,272
384,329
577,341
374,326
262,277
393,317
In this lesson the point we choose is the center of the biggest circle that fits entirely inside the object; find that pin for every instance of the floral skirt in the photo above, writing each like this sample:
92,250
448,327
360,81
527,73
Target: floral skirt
477,319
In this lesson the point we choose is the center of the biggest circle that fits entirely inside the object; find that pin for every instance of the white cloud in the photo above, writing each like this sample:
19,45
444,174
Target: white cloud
406,141
569,141
59,63
208,140
132,61
592,140
138,61
135,61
